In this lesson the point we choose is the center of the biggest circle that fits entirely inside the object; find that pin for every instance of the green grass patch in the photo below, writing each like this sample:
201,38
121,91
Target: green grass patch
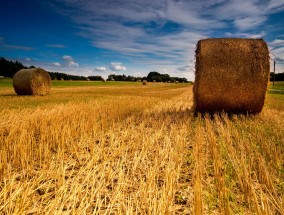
6,82
277,85
277,88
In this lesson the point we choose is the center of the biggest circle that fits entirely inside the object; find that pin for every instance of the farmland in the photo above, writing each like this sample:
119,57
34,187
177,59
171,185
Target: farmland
125,148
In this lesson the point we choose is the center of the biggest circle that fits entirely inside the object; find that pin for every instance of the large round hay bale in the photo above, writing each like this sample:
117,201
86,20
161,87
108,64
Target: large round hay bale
231,75
34,81
144,82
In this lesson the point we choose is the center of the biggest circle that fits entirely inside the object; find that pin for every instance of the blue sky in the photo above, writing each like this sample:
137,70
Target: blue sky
131,37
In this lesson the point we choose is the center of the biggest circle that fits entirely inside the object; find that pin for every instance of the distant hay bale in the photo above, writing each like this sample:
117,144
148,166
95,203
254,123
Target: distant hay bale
144,82
177,82
231,75
34,81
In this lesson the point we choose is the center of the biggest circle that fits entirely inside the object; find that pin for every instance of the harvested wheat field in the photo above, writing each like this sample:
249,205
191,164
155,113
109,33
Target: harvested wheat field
131,149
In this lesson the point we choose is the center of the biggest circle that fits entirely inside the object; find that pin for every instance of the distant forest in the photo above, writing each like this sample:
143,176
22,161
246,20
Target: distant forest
151,77
278,76
9,68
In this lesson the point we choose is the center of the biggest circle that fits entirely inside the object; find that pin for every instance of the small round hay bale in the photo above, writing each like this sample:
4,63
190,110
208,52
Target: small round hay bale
231,75
144,82
34,81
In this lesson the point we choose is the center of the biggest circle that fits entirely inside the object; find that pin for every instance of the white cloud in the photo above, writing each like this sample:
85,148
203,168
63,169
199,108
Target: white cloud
246,35
235,9
277,42
116,66
69,61
192,14
100,69
72,63
56,64
28,59
249,22
275,5
67,58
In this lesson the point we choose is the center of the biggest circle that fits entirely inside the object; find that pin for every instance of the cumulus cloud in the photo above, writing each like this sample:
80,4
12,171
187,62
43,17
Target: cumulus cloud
69,61
116,66
56,64
100,69
72,63
67,58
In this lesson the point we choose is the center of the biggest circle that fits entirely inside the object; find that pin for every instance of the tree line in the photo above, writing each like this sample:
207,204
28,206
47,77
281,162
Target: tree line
157,77
278,76
64,76
151,77
9,68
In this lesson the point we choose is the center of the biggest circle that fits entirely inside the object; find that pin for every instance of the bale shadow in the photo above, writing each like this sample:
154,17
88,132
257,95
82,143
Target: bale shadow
8,95
222,115
175,116
276,91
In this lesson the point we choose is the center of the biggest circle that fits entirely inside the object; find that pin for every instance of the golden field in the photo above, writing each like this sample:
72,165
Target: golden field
134,149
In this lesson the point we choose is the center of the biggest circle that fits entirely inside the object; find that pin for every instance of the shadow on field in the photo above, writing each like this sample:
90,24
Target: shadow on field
9,95
276,91
174,116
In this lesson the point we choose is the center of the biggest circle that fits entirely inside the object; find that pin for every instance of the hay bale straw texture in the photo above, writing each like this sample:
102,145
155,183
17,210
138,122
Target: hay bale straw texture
35,81
231,75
